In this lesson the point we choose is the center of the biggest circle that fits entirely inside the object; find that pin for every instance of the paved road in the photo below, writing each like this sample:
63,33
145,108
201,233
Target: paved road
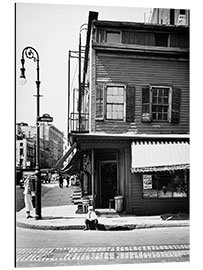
81,248
102,255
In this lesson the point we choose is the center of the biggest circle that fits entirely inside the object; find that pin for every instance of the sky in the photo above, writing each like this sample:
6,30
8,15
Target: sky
53,30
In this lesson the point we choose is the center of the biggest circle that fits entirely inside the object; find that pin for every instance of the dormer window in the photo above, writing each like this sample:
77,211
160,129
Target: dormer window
113,36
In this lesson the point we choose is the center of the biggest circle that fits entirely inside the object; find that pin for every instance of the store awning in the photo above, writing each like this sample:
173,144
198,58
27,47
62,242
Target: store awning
59,164
73,166
159,156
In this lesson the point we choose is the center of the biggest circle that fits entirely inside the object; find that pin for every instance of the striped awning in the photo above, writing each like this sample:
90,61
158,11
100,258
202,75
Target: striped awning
73,166
159,156
59,164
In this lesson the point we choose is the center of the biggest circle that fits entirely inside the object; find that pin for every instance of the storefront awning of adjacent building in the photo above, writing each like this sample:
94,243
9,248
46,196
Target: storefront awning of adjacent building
73,166
159,156
59,164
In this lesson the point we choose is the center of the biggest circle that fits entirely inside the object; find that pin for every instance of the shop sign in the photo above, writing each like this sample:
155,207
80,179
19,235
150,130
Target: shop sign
147,181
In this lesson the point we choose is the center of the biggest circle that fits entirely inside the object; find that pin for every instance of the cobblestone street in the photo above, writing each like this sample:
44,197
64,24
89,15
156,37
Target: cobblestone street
93,255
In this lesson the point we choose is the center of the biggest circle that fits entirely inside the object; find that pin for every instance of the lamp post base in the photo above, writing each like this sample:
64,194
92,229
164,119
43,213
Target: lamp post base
38,217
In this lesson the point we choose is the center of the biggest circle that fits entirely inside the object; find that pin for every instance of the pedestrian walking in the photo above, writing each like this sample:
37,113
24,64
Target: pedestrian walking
60,179
67,180
28,193
91,220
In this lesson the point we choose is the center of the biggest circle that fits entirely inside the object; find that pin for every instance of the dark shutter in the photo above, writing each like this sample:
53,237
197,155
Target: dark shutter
146,106
99,101
130,103
175,106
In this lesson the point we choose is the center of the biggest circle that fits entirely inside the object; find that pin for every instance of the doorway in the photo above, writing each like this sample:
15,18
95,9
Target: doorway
108,183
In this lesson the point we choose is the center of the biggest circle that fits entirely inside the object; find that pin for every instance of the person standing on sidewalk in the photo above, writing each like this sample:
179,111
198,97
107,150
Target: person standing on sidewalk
28,193
91,220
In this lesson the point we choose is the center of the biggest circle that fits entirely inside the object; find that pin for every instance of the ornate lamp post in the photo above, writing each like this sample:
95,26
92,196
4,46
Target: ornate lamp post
31,53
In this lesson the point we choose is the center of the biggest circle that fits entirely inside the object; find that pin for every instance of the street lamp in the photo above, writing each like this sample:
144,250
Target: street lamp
31,53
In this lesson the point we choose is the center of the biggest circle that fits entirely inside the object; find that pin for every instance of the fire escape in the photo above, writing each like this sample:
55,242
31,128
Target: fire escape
78,121
78,118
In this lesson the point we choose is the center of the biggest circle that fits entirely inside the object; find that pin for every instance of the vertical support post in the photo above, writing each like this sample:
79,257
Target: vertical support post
92,176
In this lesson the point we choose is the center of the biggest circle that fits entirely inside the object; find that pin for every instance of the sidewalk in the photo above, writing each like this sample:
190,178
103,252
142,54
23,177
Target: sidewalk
58,213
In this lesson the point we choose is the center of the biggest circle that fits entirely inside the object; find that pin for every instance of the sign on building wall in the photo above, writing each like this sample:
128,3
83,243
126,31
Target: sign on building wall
147,181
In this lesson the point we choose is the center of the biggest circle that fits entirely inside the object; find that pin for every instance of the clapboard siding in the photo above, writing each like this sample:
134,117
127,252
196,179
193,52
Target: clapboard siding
136,194
139,72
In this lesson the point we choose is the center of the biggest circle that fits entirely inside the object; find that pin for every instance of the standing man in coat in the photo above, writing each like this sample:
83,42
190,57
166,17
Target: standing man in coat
28,193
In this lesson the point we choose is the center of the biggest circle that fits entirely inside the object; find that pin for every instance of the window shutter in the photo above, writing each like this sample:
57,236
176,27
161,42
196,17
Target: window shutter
99,101
130,103
146,104
175,106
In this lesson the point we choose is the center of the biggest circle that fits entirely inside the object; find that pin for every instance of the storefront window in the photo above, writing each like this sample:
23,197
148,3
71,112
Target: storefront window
165,185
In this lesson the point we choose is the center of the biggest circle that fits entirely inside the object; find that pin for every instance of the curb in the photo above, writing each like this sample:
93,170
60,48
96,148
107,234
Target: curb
107,227
49,227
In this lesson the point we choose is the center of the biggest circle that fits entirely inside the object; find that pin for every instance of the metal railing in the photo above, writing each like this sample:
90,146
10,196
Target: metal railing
74,122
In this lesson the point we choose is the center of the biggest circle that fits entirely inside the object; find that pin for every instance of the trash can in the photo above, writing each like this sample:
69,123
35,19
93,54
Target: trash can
119,203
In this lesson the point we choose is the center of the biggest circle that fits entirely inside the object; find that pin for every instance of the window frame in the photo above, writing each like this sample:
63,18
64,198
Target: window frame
169,102
124,101
158,182
115,32
146,114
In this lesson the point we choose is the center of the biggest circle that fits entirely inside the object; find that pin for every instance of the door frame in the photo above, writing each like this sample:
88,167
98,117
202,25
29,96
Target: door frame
100,163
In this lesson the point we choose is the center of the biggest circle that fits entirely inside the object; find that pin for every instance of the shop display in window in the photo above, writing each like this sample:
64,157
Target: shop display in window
165,185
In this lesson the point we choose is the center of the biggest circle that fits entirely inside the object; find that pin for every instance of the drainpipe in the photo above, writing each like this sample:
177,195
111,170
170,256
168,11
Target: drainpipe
69,55
79,83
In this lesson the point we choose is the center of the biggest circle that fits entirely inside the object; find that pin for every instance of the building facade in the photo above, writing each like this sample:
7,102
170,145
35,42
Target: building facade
25,153
136,143
51,145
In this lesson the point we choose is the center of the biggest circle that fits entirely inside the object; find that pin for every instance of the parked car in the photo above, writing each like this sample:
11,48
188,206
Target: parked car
45,177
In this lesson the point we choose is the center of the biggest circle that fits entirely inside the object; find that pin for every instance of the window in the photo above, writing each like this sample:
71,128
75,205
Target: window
172,16
165,185
113,37
21,151
182,11
115,97
160,103
115,102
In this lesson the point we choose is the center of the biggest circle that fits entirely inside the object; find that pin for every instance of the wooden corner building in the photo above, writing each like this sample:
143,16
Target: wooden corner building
130,132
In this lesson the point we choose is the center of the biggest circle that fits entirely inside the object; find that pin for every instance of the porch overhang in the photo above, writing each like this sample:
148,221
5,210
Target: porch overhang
159,156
